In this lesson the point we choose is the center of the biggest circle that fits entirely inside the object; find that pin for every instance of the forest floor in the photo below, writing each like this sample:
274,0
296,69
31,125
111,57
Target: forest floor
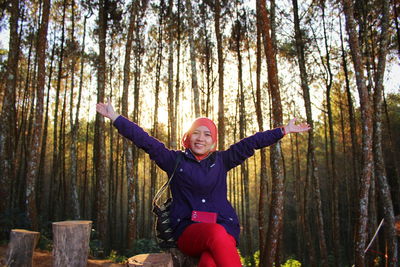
44,259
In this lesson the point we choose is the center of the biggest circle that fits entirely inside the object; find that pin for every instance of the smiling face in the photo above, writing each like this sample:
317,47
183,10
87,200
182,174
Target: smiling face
201,141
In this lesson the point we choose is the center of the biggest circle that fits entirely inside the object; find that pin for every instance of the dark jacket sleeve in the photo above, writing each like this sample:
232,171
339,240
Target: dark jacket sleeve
157,151
239,152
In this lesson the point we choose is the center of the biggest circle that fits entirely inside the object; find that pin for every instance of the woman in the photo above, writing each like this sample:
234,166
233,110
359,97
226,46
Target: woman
204,222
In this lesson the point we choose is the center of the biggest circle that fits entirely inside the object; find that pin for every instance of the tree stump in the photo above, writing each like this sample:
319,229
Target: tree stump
71,243
175,258
151,260
20,248
182,260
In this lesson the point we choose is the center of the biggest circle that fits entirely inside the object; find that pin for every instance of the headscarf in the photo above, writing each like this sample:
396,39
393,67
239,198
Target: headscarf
196,124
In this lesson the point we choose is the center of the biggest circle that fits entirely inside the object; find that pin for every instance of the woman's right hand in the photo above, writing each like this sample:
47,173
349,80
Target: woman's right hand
107,110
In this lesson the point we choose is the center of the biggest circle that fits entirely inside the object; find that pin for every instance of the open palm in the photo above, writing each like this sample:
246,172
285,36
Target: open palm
293,128
107,110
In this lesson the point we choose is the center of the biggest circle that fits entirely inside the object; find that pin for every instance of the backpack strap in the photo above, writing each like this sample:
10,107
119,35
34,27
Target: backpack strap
162,189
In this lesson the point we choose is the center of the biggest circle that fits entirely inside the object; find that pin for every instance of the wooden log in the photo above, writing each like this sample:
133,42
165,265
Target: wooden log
20,248
182,260
151,260
71,243
173,258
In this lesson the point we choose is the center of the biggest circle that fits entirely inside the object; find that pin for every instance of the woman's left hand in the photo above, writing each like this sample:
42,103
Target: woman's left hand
291,127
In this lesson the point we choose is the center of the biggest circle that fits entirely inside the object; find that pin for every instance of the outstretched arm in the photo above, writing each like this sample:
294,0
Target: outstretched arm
291,127
107,110
157,151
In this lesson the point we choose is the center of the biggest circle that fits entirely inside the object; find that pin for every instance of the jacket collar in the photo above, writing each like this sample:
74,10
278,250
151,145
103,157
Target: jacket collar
189,154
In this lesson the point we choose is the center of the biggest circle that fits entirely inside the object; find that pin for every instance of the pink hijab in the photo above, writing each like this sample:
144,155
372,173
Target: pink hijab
197,123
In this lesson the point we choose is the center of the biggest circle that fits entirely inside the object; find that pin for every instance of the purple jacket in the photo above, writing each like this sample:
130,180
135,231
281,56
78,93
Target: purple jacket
198,185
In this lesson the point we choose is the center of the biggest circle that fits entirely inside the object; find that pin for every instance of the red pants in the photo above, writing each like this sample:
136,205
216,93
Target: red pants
211,243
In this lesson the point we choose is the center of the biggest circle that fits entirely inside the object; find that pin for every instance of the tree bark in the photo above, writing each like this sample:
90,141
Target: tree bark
242,134
311,160
195,87
171,96
353,183
276,212
55,169
366,121
263,153
138,52
71,243
153,170
332,147
74,122
7,118
221,113
380,171
34,157
20,248
100,153
127,148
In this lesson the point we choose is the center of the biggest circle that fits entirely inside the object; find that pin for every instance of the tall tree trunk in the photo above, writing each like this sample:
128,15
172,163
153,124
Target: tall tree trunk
43,180
100,153
332,145
153,170
276,212
195,87
111,147
380,171
353,136
263,153
74,123
128,153
366,121
86,196
8,119
137,74
177,126
171,96
78,106
395,181
311,160
221,113
55,169
23,131
33,163
347,211
242,134
62,189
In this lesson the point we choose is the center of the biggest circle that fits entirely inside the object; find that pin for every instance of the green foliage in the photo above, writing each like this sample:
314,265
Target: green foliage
291,263
114,257
246,261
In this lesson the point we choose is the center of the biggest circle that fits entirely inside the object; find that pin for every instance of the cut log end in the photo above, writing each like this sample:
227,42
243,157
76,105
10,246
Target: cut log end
26,232
173,258
72,223
151,260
